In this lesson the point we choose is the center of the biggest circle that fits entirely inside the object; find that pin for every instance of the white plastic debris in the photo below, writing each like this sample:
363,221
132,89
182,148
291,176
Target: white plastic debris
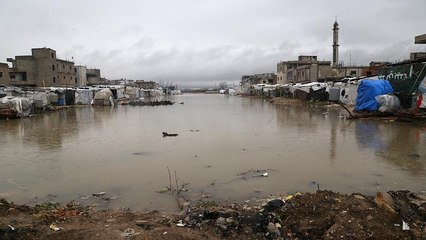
13,229
54,227
405,226
129,233
180,224
98,194
265,174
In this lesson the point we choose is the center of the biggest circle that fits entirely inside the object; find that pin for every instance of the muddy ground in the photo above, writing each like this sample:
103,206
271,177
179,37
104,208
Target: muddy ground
320,215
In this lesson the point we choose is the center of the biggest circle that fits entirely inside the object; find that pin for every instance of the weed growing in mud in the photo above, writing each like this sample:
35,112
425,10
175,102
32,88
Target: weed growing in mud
207,204
48,205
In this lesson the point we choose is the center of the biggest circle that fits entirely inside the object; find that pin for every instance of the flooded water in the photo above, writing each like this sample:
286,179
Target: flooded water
73,153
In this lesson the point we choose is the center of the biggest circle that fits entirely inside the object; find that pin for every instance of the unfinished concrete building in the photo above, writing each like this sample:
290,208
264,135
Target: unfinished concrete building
41,69
305,69
93,76
146,84
4,74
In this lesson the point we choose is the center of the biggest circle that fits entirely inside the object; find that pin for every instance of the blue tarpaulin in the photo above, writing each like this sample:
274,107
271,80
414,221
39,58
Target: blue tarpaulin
367,92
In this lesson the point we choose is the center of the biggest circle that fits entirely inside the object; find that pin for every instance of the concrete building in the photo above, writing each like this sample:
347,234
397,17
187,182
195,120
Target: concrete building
305,69
146,84
249,81
421,39
4,74
66,73
41,68
93,76
81,75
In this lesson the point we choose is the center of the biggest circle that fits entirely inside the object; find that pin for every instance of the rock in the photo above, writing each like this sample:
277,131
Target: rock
359,197
221,223
248,230
274,205
273,230
111,220
384,201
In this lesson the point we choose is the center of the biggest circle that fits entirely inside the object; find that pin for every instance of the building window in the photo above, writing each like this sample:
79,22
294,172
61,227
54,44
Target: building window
70,67
70,77
53,55
353,73
64,77
12,76
75,80
54,79
1,74
75,70
63,66
53,67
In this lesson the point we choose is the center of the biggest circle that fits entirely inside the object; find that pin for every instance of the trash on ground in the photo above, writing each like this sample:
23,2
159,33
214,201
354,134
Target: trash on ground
405,226
129,233
12,228
273,205
180,224
54,227
85,197
292,196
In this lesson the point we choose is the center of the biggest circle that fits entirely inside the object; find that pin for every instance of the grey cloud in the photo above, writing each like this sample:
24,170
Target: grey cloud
207,41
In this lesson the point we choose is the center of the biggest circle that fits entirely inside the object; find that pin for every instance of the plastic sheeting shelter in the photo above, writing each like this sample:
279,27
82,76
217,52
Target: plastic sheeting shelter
368,90
17,106
83,96
103,98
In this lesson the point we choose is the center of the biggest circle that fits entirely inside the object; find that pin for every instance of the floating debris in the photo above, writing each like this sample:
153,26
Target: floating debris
98,194
166,134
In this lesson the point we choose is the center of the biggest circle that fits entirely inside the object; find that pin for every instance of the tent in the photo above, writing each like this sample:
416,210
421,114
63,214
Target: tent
368,90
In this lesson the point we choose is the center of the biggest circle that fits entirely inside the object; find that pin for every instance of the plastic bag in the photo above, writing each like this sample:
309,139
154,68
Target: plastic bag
388,103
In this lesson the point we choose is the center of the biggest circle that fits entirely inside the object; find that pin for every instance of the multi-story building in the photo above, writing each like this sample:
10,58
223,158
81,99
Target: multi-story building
4,74
93,76
146,84
41,69
305,69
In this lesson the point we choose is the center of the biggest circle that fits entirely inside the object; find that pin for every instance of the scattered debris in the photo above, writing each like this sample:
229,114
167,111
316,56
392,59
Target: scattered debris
320,215
129,232
165,134
405,226
274,205
98,194
150,103
54,227
180,224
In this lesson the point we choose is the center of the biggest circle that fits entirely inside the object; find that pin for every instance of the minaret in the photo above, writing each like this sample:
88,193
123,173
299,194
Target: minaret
335,43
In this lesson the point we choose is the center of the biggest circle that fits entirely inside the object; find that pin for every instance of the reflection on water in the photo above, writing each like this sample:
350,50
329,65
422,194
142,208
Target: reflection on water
79,151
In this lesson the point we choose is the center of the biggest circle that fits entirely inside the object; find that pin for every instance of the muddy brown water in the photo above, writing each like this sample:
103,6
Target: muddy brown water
223,143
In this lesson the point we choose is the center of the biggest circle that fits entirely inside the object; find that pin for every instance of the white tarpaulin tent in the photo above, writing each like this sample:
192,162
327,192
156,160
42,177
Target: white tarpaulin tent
22,106
83,96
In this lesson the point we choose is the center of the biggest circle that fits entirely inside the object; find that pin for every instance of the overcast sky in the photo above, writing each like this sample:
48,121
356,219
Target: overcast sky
203,42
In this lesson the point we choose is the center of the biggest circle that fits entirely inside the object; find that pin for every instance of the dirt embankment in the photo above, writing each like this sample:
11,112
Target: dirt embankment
323,215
